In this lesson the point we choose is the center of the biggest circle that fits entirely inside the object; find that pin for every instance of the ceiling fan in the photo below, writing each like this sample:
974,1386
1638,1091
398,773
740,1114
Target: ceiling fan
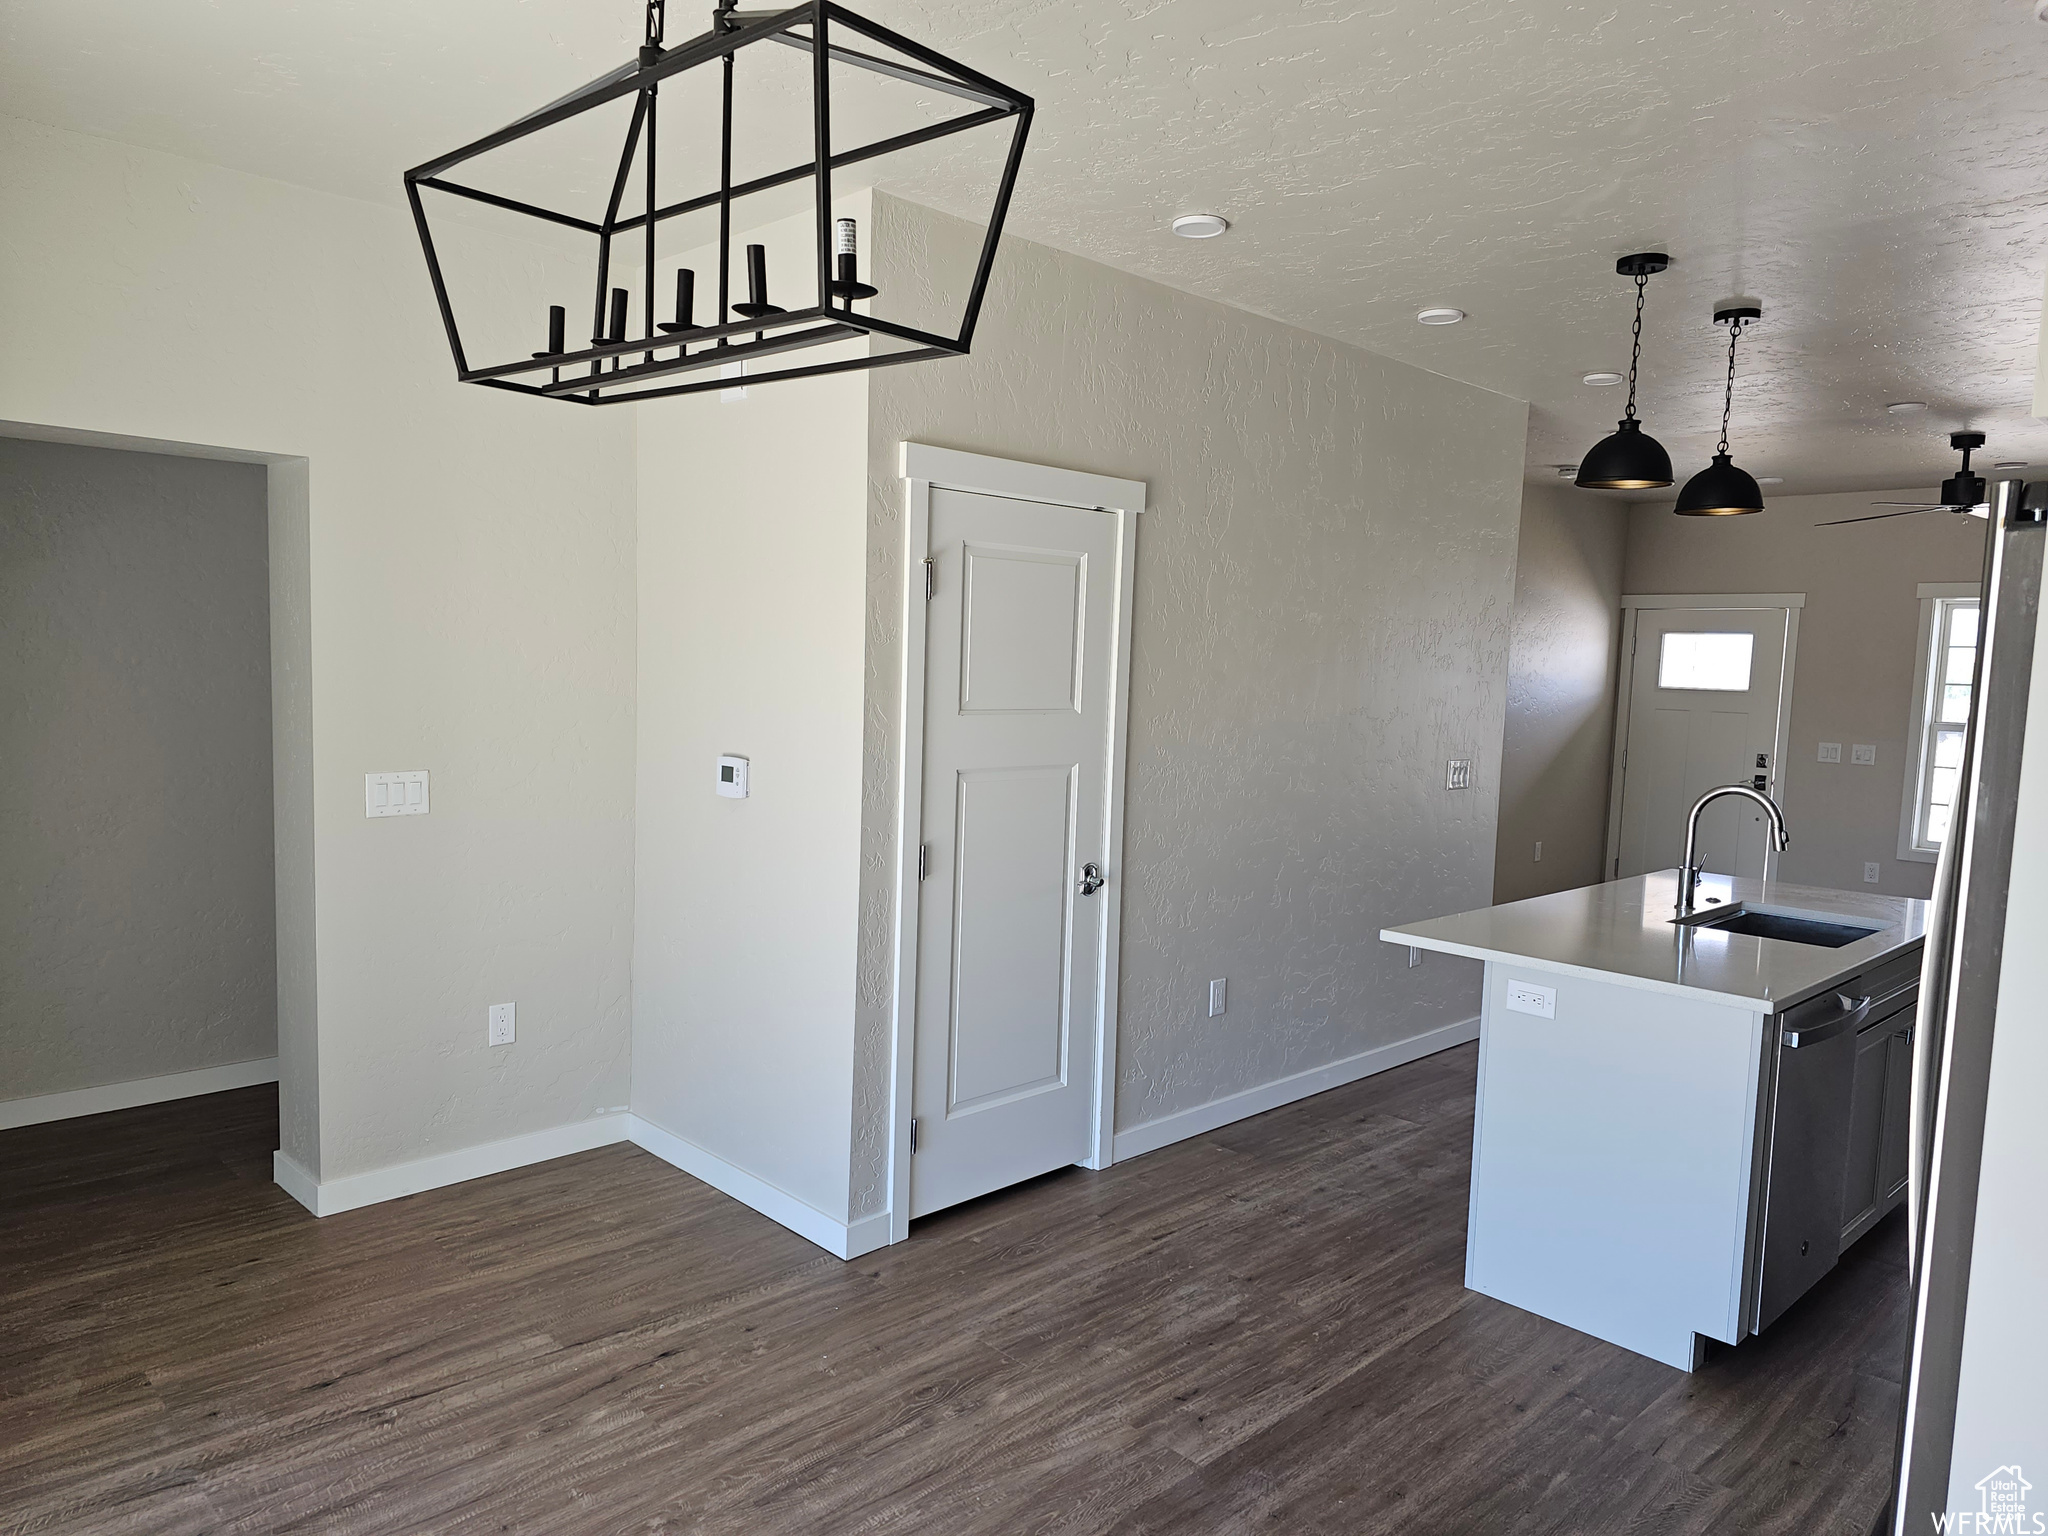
1963,491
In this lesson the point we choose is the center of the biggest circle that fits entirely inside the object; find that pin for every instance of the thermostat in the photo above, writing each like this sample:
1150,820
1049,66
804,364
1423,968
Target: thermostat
732,777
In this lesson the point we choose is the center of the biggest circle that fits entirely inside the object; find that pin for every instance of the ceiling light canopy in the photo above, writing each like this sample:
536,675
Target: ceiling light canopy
1200,226
641,357
1629,459
1439,314
1722,489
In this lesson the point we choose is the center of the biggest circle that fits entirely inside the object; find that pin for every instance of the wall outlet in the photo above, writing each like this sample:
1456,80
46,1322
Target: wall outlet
1458,773
1831,751
1863,753
501,1023
395,794
1532,998
1216,1002
1870,873
1539,851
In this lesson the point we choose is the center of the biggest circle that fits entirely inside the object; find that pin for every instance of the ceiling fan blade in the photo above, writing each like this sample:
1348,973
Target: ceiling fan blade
1878,517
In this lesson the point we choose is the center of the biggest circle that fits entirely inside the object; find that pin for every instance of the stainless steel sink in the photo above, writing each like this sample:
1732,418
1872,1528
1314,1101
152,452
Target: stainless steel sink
1791,927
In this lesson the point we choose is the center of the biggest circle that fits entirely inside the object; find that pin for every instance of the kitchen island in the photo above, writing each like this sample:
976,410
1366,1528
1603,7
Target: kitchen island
1680,1126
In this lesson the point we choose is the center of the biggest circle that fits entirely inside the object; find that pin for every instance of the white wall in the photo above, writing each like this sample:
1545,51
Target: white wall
1857,633
137,938
470,596
1557,754
751,545
2000,1418
1324,581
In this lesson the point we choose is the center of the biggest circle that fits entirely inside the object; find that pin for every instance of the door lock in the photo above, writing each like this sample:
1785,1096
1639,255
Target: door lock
1092,879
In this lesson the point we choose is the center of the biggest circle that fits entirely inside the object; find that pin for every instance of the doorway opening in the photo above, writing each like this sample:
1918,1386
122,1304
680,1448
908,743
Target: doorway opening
143,808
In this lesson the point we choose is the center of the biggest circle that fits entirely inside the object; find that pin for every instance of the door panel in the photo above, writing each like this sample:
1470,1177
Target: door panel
1021,639
1012,878
1688,731
1019,655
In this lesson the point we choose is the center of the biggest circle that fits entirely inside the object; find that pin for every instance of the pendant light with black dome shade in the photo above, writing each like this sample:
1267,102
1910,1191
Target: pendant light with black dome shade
1721,489
1629,459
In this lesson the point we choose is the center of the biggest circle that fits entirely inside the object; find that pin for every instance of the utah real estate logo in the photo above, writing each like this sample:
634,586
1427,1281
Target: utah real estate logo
2001,1511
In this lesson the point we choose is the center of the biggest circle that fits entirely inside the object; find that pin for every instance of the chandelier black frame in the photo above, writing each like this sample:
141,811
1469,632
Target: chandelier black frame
599,374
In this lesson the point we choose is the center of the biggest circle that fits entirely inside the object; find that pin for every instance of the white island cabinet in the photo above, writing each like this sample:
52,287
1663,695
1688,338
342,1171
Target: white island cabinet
1681,1127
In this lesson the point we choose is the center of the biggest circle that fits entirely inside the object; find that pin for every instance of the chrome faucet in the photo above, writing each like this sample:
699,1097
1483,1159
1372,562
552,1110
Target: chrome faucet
1689,872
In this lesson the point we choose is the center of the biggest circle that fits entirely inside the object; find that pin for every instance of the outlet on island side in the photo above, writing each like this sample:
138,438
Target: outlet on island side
501,1023
1539,851
1870,875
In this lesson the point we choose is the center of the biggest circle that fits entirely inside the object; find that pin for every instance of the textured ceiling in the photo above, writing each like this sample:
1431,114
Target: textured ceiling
1875,171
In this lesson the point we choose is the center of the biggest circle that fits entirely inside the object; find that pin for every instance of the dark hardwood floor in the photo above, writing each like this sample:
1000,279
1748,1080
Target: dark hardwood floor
1261,1329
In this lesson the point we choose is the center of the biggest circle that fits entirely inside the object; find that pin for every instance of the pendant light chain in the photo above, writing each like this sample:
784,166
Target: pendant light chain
1635,346
1728,393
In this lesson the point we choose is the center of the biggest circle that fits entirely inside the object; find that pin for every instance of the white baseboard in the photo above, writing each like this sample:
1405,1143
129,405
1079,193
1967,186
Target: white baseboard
334,1196
143,1090
1167,1129
845,1240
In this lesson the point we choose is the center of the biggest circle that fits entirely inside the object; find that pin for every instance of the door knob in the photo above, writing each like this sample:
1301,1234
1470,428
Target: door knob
1092,879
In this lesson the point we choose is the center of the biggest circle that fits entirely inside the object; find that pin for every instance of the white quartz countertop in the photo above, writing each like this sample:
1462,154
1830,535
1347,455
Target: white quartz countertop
1622,931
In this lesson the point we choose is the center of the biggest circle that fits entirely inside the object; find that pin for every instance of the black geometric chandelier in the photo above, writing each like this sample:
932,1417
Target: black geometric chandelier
666,351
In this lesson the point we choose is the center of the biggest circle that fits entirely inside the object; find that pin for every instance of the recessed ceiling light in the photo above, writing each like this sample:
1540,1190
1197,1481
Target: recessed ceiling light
1770,479
1567,471
1603,378
1906,407
1440,314
2011,464
1200,226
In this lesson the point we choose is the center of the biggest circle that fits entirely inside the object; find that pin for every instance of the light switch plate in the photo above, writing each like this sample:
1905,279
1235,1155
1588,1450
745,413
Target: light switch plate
1216,991
1532,998
395,794
1863,753
501,1023
732,778
1831,751
1458,773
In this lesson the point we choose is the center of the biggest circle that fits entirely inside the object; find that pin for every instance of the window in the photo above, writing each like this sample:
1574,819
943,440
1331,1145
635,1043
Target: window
1941,712
1716,663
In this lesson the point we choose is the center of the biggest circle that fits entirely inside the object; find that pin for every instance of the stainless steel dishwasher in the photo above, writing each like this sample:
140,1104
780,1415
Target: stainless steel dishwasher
1813,1091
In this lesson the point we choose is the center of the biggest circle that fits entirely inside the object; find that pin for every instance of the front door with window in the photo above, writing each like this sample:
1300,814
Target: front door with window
1707,690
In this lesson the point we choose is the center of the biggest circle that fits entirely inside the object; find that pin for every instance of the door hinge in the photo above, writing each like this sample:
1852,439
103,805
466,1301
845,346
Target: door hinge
924,859
913,1135
931,578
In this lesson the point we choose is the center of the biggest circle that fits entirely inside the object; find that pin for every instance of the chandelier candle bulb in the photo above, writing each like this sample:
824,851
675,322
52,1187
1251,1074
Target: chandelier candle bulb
846,247
686,301
757,305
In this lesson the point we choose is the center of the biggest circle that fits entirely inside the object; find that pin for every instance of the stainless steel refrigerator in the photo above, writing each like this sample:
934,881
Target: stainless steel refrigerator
1959,1003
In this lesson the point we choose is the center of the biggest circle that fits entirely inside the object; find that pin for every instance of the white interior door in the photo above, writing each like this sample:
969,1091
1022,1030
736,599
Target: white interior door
1020,648
1706,700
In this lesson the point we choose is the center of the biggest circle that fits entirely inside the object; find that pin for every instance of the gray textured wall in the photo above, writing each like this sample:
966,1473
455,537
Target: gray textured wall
1559,744
1853,679
138,935
1324,580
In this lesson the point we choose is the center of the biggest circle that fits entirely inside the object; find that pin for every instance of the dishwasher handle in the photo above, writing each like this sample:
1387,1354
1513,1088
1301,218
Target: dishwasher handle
1853,1009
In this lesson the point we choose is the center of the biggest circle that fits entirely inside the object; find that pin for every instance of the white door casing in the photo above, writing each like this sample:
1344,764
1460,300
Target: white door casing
1014,710
1674,743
